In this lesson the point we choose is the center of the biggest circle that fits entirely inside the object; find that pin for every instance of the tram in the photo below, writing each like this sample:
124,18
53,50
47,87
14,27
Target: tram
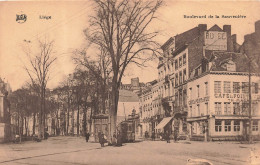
127,129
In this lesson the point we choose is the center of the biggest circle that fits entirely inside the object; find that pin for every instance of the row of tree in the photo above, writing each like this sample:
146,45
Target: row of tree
119,33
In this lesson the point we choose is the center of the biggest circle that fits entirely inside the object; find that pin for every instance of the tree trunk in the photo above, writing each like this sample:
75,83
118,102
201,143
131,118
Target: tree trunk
44,115
57,122
26,126
84,126
91,114
113,110
34,113
67,121
22,120
78,121
72,121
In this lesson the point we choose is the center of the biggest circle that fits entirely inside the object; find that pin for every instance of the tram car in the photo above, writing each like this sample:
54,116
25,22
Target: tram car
127,130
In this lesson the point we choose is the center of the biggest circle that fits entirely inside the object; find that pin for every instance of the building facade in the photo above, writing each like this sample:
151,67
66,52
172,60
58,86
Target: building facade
182,54
218,98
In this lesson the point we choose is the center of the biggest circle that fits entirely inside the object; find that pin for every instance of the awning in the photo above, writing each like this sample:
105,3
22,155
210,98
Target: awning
163,123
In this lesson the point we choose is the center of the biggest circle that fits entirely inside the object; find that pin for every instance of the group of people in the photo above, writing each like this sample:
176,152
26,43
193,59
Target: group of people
166,135
116,140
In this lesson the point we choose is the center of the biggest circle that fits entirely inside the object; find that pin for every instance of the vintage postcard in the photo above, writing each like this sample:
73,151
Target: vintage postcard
130,82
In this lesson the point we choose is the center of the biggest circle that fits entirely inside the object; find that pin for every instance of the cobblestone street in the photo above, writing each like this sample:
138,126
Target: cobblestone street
74,150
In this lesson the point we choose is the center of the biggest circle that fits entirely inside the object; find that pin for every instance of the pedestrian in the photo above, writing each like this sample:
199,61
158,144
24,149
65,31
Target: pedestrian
153,136
175,134
87,136
146,134
17,139
161,135
167,137
102,140
119,139
114,141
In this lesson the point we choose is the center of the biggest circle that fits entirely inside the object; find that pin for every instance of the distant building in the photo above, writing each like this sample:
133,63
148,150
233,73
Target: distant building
5,117
128,101
135,85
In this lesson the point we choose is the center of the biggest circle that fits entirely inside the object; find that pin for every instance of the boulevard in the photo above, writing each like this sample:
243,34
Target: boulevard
74,150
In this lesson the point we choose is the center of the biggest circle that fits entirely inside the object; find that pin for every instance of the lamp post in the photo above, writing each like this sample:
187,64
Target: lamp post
246,51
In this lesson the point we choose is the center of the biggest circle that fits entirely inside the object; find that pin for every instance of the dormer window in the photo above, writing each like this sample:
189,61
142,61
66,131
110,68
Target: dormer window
229,66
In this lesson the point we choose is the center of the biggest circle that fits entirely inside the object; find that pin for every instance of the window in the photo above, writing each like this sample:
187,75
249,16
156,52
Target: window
190,93
185,98
236,125
180,62
236,108
198,91
184,75
254,88
172,66
227,125
190,111
198,109
172,50
236,87
184,59
254,109
206,89
227,87
180,98
255,125
218,108
217,86
207,108
180,73
176,79
218,125
176,64
245,87
227,108
245,107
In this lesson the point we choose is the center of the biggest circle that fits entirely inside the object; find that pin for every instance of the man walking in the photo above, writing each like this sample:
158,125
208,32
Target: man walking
167,136
175,134
153,136
87,136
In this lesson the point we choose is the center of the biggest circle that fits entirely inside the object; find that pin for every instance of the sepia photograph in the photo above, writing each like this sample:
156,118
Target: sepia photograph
129,82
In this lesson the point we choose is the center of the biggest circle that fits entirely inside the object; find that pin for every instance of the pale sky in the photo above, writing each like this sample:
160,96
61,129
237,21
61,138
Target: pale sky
69,19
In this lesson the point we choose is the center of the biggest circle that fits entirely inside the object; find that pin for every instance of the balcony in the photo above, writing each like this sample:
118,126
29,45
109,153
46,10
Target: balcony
167,79
180,109
168,99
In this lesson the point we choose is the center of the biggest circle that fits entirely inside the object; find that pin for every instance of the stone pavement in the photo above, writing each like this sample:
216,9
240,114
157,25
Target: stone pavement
74,150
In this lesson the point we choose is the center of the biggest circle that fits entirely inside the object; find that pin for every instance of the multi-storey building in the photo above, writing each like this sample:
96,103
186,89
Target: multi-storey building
218,99
183,53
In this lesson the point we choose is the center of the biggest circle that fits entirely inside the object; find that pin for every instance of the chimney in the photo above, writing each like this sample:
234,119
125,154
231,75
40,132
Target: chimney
257,28
135,82
227,29
202,28
234,41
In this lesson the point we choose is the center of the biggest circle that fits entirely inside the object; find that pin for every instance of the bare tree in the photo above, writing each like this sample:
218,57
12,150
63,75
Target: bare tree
120,29
66,90
38,70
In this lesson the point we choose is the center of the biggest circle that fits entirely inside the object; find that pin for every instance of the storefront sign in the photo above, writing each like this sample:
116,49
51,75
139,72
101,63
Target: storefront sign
215,40
199,100
237,96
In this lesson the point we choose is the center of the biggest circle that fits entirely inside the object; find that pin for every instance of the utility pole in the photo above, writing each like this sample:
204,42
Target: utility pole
250,105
